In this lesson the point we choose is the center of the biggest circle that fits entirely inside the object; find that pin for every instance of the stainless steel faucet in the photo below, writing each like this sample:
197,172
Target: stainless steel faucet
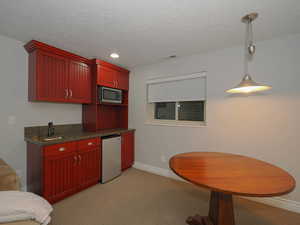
50,129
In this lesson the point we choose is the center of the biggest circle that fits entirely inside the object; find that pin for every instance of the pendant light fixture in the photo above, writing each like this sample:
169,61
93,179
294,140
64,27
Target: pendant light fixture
247,85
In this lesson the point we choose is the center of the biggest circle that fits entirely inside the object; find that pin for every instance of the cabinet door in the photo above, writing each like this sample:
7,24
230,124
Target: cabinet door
127,152
89,166
60,176
52,77
122,80
79,82
106,76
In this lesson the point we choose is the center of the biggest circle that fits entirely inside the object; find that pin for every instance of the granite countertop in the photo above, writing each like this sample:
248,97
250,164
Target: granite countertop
70,132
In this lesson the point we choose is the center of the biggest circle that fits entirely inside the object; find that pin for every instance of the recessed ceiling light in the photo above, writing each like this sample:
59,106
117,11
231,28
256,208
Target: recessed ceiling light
114,55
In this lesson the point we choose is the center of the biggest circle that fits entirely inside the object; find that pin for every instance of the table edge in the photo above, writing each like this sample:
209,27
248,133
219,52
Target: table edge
233,192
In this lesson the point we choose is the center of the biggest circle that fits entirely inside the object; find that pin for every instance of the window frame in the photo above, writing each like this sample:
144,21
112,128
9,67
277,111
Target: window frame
177,109
150,107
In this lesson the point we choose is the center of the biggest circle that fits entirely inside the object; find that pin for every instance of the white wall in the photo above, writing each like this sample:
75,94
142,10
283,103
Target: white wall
264,126
13,100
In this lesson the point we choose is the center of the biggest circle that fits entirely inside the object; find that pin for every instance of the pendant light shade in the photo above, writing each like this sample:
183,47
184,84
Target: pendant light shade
247,85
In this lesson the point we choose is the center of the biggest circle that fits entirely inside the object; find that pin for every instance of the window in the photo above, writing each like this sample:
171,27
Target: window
182,111
177,100
191,111
165,111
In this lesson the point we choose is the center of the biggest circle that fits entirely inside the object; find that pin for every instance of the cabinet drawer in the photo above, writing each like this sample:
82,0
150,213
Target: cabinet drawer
88,143
59,149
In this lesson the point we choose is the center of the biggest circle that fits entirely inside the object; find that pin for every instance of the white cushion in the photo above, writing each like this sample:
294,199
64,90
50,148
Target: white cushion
17,205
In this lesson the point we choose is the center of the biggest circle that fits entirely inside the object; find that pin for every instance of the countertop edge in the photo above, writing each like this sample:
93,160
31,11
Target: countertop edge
77,138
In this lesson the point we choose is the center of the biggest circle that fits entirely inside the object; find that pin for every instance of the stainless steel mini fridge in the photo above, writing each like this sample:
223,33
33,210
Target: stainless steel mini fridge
111,157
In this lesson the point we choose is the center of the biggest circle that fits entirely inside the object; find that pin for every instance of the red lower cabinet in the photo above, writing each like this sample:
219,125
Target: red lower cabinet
60,176
89,167
127,151
70,167
60,170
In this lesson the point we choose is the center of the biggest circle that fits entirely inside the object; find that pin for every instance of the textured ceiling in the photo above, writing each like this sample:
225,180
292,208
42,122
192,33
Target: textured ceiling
143,31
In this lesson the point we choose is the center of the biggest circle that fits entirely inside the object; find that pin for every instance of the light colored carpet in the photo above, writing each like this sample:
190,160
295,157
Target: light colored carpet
140,198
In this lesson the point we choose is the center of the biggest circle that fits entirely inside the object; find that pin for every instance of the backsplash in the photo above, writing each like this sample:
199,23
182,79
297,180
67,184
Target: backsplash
42,131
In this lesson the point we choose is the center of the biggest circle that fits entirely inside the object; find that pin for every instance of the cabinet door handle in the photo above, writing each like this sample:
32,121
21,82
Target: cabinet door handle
90,143
71,93
66,93
61,149
75,160
79,162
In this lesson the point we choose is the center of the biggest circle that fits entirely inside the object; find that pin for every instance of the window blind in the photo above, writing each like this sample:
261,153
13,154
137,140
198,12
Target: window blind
183,88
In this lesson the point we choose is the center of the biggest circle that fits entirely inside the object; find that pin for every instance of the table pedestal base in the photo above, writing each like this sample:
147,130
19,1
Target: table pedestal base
220,211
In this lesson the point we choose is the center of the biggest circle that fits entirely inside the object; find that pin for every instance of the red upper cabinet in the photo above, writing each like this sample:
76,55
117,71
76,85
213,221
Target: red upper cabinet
110,75
106,76
122,80
79,82
56,75
99,115
50,79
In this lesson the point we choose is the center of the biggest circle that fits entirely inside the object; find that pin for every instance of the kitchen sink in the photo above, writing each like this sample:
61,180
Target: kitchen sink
54,138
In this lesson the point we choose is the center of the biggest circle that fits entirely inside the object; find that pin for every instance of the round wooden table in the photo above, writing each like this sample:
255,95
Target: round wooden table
226,175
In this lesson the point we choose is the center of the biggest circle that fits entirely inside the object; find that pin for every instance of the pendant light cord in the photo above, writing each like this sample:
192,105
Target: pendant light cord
246,56
250,33
248,43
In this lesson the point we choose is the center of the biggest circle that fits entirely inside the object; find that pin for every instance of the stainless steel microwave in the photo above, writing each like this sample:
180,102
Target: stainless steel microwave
110,95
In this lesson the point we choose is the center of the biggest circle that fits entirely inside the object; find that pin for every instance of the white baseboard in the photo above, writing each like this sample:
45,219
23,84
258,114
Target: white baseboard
278,202
156,170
